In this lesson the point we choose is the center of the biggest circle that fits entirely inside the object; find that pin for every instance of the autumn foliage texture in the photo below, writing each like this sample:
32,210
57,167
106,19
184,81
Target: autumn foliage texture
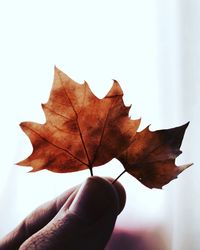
82,131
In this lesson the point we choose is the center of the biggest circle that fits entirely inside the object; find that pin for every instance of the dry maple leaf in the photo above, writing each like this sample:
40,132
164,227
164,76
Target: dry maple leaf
81,130
151,156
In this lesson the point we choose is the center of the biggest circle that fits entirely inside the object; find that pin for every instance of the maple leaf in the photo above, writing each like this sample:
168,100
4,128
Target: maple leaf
81,131
151,156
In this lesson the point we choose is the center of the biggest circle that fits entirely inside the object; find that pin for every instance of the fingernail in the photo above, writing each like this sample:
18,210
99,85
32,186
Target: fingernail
95,198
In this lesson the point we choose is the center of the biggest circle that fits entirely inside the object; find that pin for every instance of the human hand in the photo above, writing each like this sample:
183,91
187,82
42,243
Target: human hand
81,218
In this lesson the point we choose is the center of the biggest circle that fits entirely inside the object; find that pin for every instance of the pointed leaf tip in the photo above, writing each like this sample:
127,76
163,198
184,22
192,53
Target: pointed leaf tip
184,167
56,70
115,90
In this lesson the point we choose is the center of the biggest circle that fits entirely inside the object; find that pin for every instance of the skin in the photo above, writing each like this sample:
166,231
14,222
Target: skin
81,218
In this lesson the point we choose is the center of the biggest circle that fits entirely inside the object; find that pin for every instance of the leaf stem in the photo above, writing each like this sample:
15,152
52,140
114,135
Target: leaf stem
91,171
119,176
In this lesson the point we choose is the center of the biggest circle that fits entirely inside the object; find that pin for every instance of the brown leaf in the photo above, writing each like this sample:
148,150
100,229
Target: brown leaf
81,131
151,156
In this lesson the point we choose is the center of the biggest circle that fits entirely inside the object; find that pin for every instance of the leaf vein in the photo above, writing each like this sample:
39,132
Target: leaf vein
80,132
51,143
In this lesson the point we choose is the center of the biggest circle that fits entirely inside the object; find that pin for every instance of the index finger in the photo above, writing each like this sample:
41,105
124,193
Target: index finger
37,220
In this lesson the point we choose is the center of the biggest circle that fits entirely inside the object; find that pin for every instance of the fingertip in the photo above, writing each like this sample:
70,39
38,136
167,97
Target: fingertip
94,199
120,192
116,187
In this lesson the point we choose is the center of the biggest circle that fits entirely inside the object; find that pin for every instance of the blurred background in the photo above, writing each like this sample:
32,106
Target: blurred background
152,48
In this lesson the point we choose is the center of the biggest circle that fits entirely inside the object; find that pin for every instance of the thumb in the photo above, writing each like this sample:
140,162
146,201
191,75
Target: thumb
85,223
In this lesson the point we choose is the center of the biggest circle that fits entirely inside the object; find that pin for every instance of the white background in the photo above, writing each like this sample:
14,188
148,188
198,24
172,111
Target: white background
152,48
